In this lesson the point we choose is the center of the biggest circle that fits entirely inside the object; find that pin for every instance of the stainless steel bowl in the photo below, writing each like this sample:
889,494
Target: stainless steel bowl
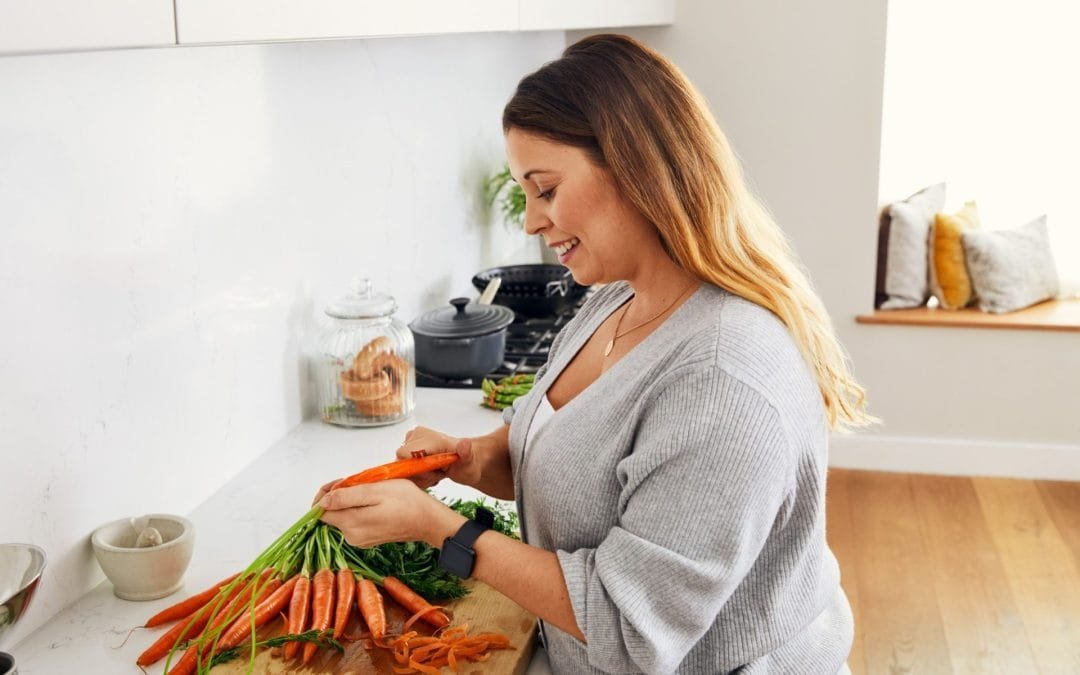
21,566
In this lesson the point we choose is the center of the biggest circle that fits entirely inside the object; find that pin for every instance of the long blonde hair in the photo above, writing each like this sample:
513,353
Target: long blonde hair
639,117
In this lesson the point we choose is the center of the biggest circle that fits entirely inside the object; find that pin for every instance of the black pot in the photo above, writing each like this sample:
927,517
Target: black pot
533,290
466,340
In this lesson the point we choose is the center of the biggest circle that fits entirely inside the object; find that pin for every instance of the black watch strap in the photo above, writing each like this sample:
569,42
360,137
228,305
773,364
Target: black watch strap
484,517
457,555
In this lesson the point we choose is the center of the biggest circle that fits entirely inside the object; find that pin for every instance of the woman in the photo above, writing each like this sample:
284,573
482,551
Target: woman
669,464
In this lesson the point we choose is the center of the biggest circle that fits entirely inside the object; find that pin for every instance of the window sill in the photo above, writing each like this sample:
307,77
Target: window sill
1052,315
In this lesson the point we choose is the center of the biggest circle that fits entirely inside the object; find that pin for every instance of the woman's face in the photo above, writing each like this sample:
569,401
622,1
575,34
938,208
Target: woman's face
574,205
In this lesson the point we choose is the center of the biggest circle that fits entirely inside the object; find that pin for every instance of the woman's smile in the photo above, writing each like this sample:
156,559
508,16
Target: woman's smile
565,249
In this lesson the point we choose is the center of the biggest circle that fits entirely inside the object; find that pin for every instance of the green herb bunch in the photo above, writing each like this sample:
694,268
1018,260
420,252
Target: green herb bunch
417,564
506,519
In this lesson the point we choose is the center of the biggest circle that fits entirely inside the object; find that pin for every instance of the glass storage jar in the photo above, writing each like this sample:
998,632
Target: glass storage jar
362,361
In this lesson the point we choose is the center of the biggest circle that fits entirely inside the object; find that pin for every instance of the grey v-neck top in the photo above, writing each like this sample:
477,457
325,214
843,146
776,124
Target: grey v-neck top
684,494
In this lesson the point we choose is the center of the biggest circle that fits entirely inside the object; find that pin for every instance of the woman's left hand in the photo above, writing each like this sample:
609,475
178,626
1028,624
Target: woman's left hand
392,510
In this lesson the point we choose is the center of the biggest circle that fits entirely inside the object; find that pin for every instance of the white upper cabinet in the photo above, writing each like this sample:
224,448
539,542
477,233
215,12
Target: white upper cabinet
217,21
571,14
224,21
28,26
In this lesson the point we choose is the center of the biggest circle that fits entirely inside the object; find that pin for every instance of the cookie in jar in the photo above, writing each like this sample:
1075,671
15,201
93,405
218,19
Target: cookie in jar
362,361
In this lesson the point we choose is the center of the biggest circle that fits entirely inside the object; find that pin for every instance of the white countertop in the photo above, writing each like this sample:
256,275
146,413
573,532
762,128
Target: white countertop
238,522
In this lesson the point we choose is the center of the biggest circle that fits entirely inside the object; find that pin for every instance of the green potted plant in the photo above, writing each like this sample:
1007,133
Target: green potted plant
503,192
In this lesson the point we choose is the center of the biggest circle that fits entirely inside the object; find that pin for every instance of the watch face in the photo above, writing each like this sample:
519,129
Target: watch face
456,558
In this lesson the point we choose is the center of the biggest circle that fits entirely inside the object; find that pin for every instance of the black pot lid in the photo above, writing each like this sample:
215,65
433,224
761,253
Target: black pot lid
462,319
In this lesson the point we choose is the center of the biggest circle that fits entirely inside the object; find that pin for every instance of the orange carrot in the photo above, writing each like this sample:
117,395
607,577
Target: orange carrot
298,613
181,631
346,582
414,602
186,664
242,596
187,629
402,468
371,607
322,607
184,630
300,604
186,608
189,661
268,608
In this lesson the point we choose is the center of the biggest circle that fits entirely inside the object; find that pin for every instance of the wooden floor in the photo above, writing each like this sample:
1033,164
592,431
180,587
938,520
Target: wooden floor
958,575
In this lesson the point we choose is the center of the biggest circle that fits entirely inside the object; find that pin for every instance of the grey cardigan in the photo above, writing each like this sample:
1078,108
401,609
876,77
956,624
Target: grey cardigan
684,494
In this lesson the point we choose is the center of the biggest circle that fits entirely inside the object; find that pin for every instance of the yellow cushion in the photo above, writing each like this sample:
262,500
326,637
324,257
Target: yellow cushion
949,280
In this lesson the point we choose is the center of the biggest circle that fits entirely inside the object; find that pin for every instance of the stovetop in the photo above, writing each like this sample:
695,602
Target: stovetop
528,341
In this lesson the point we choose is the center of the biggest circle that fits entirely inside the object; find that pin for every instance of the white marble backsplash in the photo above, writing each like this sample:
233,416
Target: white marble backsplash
171,220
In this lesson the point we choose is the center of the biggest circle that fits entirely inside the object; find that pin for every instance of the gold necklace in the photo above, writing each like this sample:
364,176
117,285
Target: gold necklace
611,342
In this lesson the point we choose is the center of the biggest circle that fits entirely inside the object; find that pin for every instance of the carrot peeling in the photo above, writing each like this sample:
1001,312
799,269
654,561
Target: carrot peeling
447,648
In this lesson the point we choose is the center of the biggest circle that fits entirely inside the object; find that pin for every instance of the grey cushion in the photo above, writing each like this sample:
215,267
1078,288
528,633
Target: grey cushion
1011,269
903,279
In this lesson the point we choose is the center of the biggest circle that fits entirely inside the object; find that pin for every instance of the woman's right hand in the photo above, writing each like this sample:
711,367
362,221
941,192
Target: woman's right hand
465,471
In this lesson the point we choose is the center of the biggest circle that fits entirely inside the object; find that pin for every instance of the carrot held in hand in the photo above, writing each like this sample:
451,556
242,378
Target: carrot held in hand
187,607
402,468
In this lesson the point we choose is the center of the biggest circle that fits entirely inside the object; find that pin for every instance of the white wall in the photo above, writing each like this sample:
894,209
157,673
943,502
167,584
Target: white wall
172,219
798,89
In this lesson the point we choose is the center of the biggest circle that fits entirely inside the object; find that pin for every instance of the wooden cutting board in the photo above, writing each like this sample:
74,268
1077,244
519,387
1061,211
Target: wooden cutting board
484,609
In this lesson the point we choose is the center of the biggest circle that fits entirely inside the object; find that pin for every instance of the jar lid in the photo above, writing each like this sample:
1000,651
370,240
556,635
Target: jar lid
463,319
362,302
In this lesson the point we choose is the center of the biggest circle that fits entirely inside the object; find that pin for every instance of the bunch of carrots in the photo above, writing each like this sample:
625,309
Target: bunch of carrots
314,578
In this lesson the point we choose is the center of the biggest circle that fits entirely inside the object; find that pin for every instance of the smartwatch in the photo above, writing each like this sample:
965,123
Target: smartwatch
457,555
